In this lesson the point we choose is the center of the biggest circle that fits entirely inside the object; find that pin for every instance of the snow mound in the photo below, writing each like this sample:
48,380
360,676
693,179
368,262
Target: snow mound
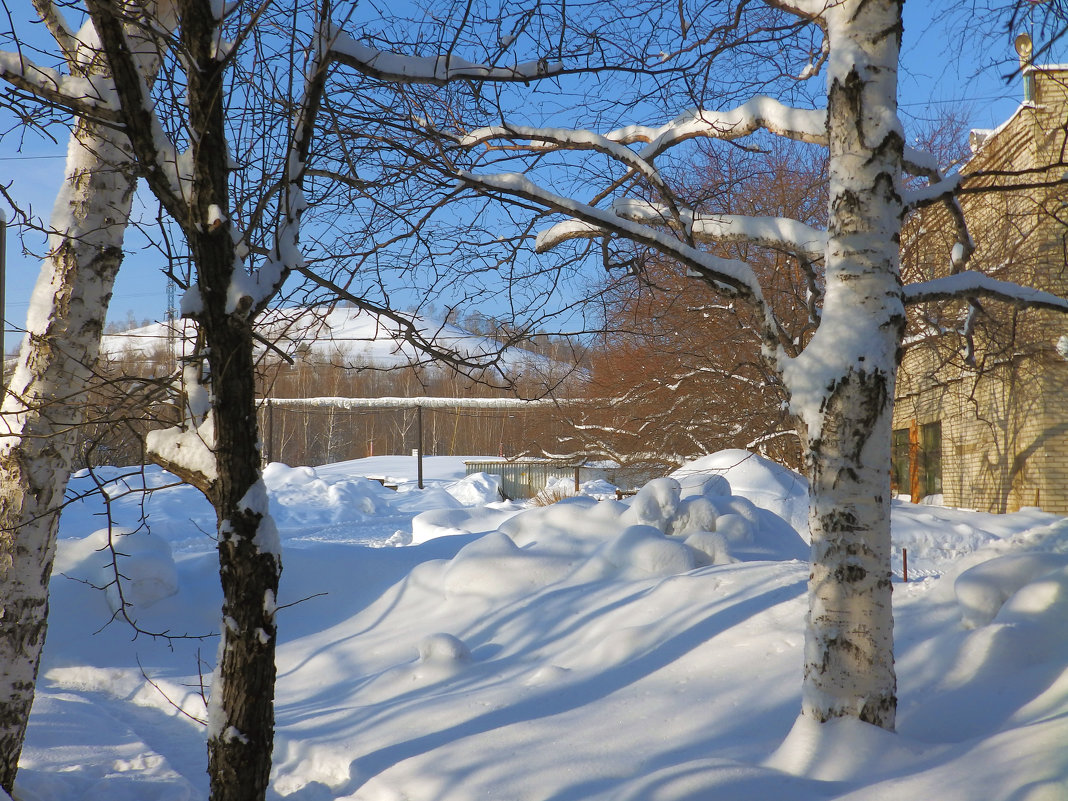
494,567
572,525
982,591
767,484
476,489
438,523
656,534
1017,636
300,498
709,548
655,504
137,568
842,749
647,551
443,648
693,515
624,530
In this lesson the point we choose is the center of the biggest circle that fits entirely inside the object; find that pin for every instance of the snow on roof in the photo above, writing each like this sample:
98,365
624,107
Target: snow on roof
348,337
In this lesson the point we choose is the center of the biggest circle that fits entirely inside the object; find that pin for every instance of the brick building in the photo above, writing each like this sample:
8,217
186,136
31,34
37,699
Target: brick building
991,432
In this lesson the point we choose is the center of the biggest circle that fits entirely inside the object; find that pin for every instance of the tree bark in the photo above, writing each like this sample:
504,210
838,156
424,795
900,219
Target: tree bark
44,405
241,707
849,642
241,726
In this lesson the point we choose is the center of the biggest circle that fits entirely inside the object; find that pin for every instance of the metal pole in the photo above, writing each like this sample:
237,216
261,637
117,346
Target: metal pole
270,432
419,452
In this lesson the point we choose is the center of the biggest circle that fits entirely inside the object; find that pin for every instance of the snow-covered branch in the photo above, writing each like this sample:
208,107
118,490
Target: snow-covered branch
155,154
56,23
939,189
920,162
803,125
186,452
971,284
802,8
781,233
565,139
936,190
735,274
285,255
438,70
91,97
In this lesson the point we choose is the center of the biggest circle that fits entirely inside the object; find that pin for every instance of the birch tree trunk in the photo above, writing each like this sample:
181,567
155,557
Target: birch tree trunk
44,405
844,382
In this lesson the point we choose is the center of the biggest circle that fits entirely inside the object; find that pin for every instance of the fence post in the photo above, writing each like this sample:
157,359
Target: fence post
419,453
269,451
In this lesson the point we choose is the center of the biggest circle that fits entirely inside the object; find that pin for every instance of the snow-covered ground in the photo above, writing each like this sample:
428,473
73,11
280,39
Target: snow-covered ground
438,644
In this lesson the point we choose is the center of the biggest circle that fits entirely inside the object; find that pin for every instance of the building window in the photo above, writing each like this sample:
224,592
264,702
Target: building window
899,461
916,460
930,459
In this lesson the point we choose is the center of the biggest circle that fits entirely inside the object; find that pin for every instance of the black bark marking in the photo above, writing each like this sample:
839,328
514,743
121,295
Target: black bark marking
850,574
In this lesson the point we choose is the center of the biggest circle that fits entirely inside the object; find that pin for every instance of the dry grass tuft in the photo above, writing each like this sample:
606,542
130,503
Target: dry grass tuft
550,495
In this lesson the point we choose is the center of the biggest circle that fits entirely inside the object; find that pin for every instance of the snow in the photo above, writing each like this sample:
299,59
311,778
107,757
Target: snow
145,564
773,231
809,125
443,644
429,69
970,283
342,335
983,590
570,139
92,92
935,189
188,448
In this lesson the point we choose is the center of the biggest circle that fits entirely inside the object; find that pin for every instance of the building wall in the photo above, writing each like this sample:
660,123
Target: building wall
1004,417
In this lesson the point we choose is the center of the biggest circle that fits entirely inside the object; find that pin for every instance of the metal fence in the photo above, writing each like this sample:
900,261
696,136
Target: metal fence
526,478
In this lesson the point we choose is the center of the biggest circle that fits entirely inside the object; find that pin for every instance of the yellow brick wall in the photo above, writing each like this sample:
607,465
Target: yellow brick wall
1005,418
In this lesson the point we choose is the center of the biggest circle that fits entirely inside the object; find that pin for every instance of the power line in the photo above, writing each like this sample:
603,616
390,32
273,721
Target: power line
30,158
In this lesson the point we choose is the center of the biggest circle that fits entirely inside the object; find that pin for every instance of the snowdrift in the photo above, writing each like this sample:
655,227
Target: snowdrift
440,644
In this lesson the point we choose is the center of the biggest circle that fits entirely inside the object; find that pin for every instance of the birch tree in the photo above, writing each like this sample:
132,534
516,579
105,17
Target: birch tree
43,409
107,81
841,382
242,249
44,404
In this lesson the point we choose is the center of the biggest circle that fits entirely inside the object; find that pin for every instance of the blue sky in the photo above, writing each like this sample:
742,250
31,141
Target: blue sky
938,72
